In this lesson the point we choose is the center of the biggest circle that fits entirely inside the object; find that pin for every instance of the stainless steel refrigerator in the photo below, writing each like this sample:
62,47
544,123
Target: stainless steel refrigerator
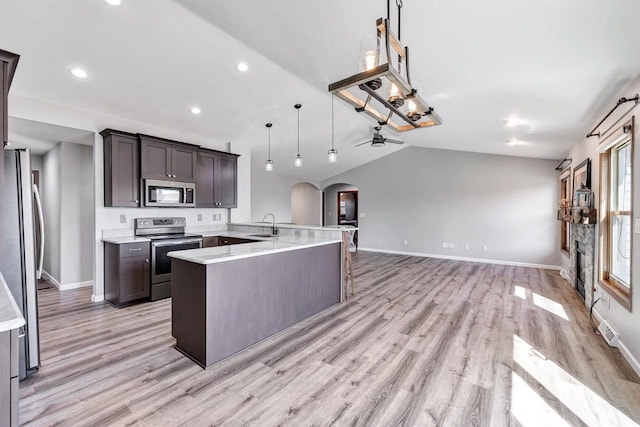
19,263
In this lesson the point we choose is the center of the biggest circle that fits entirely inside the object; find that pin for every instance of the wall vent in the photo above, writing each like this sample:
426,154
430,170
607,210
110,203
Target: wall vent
609,334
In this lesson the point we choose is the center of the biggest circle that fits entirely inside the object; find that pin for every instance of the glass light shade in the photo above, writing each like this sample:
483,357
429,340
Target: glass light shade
268,165
333,155
298,161
369,53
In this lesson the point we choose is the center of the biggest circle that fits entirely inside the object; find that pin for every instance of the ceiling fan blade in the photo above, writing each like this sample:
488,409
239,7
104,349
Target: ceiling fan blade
362,143
393,141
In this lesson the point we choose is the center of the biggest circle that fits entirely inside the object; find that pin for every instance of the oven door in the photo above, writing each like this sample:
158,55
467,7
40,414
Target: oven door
161,263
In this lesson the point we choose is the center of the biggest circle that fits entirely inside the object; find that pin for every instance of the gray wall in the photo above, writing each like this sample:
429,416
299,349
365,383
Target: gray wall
331,201
77,213
623,321
306,204
67,206
271,192
51,198
428,196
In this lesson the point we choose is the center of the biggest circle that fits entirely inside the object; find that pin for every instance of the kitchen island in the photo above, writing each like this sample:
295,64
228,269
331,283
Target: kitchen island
228,298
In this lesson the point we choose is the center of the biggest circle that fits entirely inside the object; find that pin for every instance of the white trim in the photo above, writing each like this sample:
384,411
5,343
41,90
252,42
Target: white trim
61,287
623,348
612,139
97,298
76,285
459,258
50,278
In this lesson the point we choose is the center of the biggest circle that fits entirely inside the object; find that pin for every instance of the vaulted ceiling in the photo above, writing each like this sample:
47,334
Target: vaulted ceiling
553,65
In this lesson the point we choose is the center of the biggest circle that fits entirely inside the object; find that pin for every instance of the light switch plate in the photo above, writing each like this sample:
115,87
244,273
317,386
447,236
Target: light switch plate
123,219
636,225
199,217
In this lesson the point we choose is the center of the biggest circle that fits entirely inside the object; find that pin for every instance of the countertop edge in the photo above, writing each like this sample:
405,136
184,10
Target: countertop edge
293,247
17,320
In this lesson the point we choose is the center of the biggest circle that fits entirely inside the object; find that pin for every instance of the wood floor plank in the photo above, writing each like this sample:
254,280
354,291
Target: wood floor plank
423,342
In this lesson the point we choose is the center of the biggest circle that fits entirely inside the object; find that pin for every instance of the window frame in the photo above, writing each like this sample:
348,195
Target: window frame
617,289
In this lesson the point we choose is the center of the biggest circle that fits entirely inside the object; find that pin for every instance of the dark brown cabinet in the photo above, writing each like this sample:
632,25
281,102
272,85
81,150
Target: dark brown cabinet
210,241
121,169
126,272
216,180
168,160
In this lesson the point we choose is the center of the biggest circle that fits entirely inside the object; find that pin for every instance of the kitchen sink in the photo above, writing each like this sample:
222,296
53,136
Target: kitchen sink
260,235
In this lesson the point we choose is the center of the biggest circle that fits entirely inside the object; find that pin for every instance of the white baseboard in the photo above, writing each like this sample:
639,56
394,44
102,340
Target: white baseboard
68,286
623,348
49,278
97,298
459,258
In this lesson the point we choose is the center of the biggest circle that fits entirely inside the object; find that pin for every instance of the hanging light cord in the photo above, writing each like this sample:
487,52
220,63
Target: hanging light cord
269,128
298,131
332,98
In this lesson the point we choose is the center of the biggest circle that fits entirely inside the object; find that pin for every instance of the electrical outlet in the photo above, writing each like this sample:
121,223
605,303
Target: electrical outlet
485,248
445,245
452,246
466,246
406,242
123,219
199,217
362,215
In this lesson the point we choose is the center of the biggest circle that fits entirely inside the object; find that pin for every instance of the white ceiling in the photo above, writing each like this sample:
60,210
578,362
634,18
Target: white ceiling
553,64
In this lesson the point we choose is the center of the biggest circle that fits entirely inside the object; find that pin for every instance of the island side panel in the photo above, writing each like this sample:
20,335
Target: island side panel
188,308
253,298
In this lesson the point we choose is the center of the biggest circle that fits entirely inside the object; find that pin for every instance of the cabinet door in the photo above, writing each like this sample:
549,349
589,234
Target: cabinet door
210,241
134,278
122,178
226,182
155,159
4,92
205,178
183,163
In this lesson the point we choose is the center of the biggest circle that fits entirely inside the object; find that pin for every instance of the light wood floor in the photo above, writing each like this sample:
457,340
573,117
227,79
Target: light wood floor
424,342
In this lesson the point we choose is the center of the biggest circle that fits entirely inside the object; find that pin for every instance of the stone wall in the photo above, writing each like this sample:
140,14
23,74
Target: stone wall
586,235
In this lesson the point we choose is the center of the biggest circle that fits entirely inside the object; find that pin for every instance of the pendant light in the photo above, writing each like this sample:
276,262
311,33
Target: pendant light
298,160
333,153
268,164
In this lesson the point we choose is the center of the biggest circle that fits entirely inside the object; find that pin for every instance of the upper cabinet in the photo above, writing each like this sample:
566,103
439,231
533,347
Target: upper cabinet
121,169
129,158
8,64
216,179
168,160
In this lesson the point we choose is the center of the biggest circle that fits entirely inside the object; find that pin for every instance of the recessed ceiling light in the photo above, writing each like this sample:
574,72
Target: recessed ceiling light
242,67
511,122
78,72
113,2
196,110
514,141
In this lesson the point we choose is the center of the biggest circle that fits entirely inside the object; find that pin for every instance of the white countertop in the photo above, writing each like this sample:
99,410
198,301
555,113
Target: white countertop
306,227
10,316
265,246
120,240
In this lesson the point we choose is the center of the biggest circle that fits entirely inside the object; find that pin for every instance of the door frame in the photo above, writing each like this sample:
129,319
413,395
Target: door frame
355,192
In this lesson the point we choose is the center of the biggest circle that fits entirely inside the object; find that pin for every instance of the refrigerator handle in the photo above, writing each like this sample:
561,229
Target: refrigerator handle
41,227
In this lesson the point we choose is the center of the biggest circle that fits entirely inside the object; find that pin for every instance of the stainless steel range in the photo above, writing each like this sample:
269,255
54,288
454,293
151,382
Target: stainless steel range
167,235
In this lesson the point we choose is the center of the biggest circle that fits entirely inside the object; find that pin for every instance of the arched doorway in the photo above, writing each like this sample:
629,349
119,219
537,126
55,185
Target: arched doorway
306,204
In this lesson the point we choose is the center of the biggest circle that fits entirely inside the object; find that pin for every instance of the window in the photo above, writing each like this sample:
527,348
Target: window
565,226
616,202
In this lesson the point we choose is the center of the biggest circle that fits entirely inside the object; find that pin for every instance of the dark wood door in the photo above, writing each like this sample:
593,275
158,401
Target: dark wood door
210,241
183,163
205,178
134,278
226,181
155,161
122,187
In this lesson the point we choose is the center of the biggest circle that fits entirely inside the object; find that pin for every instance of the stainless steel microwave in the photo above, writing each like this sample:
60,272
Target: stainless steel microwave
169,194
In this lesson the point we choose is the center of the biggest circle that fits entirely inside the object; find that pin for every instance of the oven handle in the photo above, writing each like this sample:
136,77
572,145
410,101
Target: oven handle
175,242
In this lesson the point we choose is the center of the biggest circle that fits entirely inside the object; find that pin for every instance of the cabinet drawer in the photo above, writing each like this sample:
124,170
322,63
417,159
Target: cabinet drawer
135,249
210,241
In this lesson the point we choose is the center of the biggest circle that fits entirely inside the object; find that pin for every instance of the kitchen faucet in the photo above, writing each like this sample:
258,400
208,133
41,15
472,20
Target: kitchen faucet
274,229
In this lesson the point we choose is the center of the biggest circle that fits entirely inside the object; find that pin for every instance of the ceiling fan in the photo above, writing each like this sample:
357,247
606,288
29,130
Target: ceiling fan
378,140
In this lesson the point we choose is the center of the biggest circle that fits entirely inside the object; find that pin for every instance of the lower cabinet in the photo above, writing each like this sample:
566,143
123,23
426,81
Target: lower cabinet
9,378
127,272
208,242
